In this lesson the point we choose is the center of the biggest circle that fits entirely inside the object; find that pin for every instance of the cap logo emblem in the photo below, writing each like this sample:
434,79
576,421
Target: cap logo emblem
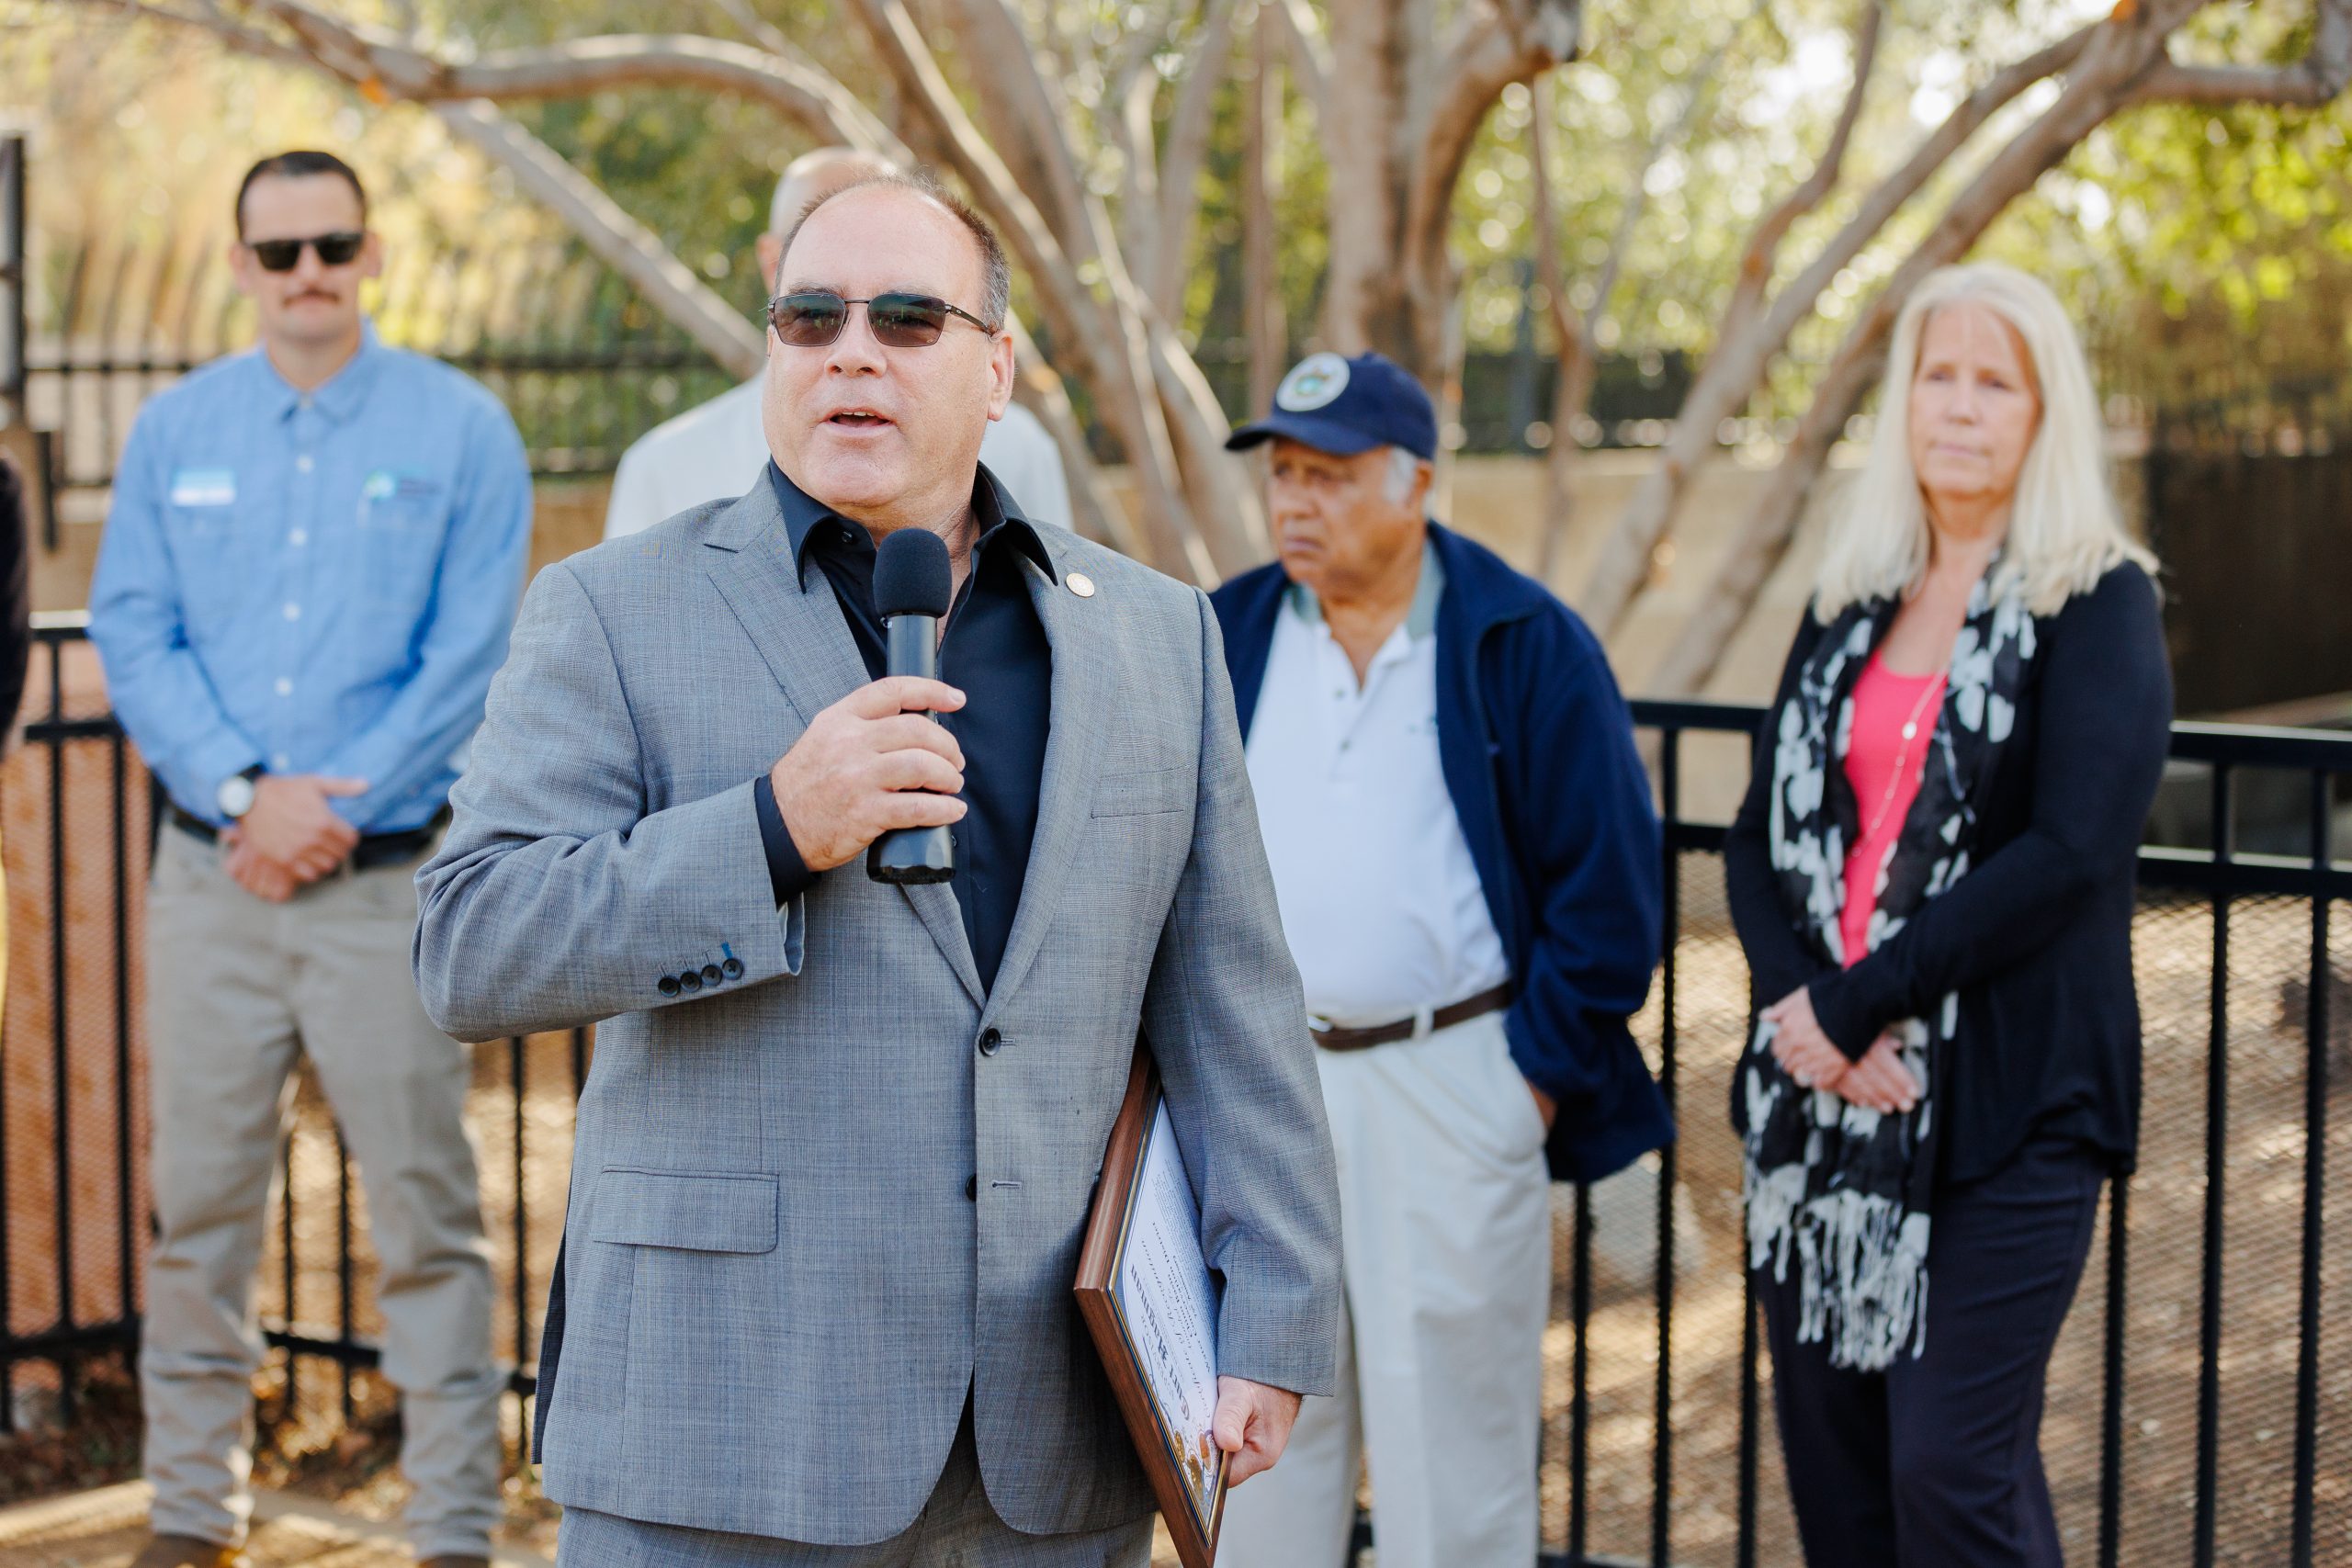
1314,383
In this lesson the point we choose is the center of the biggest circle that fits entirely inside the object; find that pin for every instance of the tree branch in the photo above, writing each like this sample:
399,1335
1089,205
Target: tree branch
1763,250
1309,52
382,63
1189,127
1515,45
1028,119
208,20
756,28
1579,336
1109,336
628,246
2317,78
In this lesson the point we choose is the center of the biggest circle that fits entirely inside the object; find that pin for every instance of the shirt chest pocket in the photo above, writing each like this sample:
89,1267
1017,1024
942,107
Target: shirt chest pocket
404,520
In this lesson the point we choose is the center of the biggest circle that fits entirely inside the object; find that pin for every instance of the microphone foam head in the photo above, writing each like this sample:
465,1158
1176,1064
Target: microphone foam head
911,574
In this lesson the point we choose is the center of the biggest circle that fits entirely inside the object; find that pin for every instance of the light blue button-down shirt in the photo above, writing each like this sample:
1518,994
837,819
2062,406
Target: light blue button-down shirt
314,582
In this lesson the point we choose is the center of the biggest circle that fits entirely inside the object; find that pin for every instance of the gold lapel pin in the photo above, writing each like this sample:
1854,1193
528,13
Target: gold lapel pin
1080,584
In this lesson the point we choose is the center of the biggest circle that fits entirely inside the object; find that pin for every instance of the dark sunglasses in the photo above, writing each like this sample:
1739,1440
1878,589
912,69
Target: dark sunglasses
280,256
814,318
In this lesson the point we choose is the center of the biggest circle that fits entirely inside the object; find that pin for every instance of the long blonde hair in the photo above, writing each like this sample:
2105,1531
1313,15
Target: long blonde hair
2064,531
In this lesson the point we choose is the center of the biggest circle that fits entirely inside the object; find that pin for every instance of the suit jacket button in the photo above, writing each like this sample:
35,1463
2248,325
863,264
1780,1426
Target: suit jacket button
667,985
972,1188
710,973
991,1042
690,980
732,969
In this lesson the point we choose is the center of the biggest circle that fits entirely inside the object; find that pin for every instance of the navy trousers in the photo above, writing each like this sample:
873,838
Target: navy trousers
1936,1463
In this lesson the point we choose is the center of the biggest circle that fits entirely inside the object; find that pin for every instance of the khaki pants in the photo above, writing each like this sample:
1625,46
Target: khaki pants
1445,1241
235,988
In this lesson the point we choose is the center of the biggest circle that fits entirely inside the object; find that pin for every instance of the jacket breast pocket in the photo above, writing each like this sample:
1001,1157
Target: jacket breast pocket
1144,794
688,1211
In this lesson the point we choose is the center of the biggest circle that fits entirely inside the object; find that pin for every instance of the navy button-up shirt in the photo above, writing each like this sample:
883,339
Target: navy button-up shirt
995,651
316,582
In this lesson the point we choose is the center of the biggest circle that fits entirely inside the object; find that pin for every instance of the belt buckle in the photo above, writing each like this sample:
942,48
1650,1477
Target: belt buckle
1317,1024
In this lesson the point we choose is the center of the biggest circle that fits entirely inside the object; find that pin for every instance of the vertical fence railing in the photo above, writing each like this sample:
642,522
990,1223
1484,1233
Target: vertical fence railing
1600,1519
13,277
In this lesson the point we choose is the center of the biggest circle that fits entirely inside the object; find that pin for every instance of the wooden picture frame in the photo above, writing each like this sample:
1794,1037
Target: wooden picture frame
1184,1465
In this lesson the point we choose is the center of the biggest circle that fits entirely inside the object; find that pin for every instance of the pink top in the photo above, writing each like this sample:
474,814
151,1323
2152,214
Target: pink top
1883,704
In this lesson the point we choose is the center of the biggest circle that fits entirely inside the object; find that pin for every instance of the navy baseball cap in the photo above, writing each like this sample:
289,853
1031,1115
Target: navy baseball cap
1347,406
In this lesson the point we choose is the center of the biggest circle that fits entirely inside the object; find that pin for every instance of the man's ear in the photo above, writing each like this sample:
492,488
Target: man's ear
1002,368
244,271
770,247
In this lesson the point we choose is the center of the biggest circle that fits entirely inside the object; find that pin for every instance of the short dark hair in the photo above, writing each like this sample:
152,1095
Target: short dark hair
996,272
294,165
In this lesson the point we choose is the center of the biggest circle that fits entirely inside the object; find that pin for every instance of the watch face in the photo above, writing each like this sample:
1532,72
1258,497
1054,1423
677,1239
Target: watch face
236,795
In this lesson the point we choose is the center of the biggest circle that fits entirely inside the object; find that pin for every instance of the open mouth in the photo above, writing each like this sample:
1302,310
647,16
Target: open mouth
857,419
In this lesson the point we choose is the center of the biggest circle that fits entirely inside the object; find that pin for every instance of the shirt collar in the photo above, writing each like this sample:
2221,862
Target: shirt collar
999,513
341,394
1420,616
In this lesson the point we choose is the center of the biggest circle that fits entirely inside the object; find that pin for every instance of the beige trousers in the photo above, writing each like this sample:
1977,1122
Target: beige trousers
1445,1243
235,988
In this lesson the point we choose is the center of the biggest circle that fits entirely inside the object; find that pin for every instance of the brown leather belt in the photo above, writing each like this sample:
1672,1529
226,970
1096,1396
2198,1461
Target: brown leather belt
1332,1037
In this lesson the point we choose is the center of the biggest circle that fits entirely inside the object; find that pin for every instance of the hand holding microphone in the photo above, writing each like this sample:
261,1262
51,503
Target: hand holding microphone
875,765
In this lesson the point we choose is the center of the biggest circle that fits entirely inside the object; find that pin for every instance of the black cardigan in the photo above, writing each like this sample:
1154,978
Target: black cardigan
2037,937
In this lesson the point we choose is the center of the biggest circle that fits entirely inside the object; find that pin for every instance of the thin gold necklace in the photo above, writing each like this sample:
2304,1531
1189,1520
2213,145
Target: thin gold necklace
1901,753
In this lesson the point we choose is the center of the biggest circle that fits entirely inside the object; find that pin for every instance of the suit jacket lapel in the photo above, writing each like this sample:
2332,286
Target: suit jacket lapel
1080,633
808,648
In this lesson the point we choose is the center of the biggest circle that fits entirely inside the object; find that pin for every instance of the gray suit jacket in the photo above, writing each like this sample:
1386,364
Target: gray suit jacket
776,1291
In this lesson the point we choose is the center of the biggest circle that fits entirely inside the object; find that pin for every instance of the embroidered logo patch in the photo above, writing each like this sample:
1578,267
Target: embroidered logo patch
1312,383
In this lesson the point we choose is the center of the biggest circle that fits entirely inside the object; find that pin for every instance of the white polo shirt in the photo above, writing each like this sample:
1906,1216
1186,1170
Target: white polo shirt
1380,900
718,451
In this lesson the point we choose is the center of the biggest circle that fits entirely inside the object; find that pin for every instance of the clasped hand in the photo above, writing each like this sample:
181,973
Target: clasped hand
1879,1081
292,836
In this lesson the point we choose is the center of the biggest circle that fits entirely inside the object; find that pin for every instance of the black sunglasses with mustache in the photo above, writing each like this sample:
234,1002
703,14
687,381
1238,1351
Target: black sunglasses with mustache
813,318
281,255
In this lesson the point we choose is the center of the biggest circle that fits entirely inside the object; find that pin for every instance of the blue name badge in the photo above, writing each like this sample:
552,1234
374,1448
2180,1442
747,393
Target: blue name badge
204,487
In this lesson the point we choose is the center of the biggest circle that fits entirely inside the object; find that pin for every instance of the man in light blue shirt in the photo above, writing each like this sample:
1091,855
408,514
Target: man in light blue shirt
312,559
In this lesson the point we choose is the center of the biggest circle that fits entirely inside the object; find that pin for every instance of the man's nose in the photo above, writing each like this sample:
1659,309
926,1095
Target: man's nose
856,351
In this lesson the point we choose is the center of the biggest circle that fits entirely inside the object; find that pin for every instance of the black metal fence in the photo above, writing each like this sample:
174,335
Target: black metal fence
2201,1402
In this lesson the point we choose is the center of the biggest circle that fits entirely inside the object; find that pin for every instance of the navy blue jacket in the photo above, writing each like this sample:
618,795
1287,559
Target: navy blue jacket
1539,759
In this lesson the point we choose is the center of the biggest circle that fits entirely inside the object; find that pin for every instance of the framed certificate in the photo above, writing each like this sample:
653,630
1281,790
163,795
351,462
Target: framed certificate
1150,1301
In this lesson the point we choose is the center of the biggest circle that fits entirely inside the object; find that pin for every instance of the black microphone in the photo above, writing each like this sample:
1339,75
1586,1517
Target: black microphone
912,586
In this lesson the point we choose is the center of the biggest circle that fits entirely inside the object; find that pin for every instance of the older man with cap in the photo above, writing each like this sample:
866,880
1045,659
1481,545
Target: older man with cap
1466,862
717,451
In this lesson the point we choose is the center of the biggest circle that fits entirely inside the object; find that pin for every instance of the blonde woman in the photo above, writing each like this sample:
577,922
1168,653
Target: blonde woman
1932,876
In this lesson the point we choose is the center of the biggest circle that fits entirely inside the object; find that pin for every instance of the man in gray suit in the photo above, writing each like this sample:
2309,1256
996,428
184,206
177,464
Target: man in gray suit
840,1140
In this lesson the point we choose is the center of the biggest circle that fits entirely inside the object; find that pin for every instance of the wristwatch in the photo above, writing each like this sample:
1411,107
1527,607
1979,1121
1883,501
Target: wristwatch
235,795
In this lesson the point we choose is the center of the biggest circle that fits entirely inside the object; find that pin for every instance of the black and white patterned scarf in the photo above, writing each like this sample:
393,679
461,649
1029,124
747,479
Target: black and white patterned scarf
1836,1191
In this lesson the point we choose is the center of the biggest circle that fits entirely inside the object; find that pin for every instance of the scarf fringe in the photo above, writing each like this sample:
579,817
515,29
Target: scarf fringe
1861,1266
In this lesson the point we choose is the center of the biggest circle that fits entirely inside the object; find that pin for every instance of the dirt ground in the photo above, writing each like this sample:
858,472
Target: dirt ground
525,1145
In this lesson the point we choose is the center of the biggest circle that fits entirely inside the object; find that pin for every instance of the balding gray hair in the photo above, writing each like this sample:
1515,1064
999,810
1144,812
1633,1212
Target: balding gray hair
996,271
